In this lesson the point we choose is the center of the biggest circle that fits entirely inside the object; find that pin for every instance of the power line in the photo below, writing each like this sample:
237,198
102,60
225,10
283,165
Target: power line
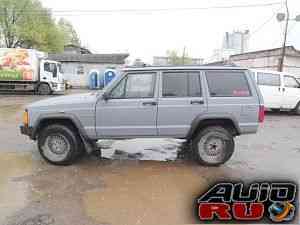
259,28
110,11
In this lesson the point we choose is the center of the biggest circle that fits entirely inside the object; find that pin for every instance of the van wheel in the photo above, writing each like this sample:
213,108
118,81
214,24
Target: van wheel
44,89
213,146
59,145
275,110
297,109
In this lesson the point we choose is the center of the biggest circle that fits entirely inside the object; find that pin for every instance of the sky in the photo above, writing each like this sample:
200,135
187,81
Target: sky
144,34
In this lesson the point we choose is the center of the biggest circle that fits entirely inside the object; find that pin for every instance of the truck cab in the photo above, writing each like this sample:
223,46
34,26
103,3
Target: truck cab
51,77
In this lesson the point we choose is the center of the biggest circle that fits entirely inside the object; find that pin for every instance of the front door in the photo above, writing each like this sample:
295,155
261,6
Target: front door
180,101
131,108
291,92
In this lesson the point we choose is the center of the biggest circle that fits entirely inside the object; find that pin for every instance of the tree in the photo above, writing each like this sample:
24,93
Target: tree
175,59
70,35
27,24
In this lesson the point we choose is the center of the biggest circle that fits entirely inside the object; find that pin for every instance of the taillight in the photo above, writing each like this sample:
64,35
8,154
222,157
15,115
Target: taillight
261,114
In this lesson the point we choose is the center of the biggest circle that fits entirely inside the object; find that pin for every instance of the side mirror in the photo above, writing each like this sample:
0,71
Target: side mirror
105,96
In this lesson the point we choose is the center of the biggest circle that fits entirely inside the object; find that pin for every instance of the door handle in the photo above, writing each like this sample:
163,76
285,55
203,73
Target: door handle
199,102
44,78
150,103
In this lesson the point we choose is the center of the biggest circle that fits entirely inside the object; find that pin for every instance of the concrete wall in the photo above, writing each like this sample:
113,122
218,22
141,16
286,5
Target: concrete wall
291,63
77,79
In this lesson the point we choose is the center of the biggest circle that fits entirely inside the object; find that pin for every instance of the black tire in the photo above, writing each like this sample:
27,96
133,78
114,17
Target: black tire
218,141
44,89
65,137
297,109
275,110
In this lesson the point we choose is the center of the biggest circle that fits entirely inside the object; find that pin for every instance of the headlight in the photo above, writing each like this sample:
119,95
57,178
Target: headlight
54,85
25,117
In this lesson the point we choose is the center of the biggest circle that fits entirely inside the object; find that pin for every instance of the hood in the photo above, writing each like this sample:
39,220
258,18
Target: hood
68,100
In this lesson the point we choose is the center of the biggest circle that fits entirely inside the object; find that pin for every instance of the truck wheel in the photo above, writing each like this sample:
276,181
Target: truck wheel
44,89
213,146
59,145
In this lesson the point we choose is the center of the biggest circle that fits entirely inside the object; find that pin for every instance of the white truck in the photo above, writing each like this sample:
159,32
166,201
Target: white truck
29,70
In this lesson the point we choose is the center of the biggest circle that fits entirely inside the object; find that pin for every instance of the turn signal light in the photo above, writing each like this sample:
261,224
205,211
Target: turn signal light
25,117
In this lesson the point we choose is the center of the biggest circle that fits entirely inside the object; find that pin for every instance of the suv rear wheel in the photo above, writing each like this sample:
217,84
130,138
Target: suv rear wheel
59,144
213,146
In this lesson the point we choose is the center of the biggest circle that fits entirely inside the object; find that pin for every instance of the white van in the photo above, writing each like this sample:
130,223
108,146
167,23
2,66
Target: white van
280,90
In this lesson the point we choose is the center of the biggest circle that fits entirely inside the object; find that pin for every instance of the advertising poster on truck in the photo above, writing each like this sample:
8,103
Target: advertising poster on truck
16,65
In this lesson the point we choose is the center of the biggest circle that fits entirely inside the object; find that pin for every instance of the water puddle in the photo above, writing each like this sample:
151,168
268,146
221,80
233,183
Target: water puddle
13,193
148,193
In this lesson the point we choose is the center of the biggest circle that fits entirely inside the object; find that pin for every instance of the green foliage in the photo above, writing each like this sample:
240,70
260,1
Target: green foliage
69,33
175,59
27,24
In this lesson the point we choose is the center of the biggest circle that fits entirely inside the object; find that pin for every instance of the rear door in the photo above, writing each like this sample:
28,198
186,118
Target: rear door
271,88
180,101
231,95
291,92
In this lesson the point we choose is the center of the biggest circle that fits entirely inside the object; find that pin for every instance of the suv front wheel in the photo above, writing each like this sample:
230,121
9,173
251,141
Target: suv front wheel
59,144
213,146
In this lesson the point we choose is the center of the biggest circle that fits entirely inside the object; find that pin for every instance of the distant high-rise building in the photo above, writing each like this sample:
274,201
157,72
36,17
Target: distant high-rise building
236,42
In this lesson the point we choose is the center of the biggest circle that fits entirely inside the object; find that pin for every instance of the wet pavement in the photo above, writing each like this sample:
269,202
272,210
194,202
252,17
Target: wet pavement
141,181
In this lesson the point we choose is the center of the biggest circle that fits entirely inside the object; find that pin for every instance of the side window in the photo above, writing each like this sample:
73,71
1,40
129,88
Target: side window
181,84
175,84
119,90
47,67
51,67
268,79
290,82
140,86
227,84
135,86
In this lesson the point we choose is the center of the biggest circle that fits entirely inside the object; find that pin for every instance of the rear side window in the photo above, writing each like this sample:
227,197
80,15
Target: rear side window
227,84
181,84
268,79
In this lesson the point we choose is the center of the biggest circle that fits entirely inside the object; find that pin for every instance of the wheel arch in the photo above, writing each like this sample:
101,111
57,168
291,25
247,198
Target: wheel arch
226,122
65,119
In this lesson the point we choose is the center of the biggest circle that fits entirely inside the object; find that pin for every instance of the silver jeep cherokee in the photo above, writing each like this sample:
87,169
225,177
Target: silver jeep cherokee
206,106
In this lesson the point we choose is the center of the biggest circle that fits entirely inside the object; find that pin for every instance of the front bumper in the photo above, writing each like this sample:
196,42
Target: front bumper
58,87
25,130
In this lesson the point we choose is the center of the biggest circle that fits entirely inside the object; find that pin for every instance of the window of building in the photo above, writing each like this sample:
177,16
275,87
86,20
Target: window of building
227,84
80,69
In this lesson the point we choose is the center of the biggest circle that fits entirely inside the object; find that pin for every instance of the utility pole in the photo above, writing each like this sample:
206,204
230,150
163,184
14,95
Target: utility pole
183,55
281,60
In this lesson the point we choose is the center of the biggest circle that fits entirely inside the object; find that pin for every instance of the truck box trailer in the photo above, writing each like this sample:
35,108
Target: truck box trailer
29,70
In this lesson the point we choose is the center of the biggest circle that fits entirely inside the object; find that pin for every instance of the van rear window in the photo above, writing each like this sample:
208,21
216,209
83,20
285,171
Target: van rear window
227,84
